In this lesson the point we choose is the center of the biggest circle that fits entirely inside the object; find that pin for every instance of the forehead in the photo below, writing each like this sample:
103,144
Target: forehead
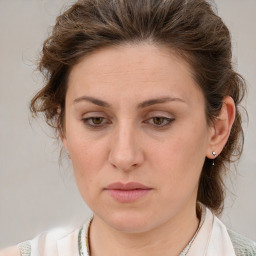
140,69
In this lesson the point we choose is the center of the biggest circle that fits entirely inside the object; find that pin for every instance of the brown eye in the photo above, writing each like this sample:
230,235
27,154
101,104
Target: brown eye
158,120
97,120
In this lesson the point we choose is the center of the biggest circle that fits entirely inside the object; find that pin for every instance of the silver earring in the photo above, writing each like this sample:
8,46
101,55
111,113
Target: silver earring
215,155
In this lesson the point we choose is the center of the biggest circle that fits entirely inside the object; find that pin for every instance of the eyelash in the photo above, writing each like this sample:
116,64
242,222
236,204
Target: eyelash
166,120
88,121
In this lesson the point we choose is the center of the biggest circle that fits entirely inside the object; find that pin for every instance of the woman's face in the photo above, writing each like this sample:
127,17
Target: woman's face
135,114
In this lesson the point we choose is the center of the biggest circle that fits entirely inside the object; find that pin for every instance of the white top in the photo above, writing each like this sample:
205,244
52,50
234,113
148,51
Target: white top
212,239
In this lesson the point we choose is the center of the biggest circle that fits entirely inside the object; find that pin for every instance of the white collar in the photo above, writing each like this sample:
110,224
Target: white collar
212,240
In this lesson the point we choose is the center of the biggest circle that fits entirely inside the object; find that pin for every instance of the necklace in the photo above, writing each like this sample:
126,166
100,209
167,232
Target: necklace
84,245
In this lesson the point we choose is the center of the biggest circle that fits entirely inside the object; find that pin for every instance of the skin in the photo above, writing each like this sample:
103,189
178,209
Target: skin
10,251
132,143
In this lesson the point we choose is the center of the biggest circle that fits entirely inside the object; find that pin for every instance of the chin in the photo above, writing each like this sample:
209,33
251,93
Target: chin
130,222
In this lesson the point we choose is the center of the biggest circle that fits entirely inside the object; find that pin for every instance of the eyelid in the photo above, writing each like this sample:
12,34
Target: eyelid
166,117
165,125
159,113
87,119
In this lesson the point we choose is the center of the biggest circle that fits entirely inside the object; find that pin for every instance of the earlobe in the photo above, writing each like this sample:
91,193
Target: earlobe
62,132
220,130
64,141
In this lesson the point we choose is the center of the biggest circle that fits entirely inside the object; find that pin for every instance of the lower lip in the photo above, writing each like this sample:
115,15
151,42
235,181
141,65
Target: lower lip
127,196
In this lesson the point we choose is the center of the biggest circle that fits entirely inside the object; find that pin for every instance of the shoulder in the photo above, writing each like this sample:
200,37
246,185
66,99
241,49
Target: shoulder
50,242
65,240
21,249
10,251
242,245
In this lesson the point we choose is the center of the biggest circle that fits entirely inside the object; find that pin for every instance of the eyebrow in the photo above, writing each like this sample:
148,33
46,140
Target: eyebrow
150,102
93,100
143,104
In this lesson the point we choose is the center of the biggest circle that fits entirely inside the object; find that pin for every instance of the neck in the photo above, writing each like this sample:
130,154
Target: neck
169,238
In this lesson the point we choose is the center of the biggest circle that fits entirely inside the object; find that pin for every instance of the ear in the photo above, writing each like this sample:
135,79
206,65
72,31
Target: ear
220,129
62,132
64,141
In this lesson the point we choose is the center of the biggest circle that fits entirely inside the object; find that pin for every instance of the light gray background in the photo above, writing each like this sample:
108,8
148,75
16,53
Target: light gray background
36,193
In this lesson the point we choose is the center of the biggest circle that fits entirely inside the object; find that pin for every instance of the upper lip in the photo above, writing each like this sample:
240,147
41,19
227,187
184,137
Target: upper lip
127,186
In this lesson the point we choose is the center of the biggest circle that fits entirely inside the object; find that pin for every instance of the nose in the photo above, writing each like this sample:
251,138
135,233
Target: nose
125,154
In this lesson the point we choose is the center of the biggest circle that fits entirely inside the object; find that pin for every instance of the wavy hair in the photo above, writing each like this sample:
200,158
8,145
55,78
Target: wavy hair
190,28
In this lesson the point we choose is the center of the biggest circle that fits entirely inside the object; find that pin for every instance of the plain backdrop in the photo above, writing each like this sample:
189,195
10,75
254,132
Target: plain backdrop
38,193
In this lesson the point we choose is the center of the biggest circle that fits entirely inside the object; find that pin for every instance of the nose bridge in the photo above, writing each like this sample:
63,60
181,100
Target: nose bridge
125,153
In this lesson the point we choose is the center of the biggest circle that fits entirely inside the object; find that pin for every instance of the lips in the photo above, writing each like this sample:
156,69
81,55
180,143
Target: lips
127,186
127,193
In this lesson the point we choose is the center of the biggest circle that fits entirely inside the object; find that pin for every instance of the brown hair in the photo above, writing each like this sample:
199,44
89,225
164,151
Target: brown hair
190,27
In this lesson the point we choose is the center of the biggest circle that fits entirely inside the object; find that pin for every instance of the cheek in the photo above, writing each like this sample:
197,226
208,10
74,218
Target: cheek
87,163
87,156
180,158
176,175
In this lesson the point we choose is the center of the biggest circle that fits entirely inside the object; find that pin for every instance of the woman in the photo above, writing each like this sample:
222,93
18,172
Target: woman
143,95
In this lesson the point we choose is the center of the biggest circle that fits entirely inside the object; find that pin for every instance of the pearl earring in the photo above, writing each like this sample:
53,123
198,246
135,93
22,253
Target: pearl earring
215,155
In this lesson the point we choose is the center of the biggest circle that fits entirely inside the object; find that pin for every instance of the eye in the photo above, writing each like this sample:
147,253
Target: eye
160,121
95,121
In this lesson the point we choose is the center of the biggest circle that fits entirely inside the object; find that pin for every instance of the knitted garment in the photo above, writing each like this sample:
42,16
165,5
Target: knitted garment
25,248
242,245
